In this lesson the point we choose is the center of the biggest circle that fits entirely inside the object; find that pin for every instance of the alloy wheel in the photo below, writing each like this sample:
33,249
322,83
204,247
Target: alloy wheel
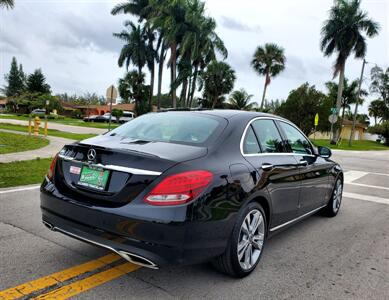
337,197
251,238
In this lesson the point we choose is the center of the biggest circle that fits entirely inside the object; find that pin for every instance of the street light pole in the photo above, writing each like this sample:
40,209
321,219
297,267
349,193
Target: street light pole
356,105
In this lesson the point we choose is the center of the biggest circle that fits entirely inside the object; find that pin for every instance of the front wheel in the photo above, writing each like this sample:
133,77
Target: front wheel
333,206
246,244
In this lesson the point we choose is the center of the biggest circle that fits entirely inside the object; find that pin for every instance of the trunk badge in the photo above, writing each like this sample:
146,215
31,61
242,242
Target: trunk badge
91,154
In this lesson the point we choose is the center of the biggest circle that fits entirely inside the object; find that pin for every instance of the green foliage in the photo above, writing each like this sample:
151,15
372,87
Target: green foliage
77,114
27,102
240,99
132,88
218,80
345,30
380,86
302,105
15,80
382,130
36,83
117,113
7,4
378,110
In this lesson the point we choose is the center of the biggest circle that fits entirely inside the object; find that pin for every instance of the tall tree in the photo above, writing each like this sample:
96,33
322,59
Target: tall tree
349,95
380,83
241,100
7,4
134,50
344,33
305,98
15,80
218,80
377,110
268,61
36,83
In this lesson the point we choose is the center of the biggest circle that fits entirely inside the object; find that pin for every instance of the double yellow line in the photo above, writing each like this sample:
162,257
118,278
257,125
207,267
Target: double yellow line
74,288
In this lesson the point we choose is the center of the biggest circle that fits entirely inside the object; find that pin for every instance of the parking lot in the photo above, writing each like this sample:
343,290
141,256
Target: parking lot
342,257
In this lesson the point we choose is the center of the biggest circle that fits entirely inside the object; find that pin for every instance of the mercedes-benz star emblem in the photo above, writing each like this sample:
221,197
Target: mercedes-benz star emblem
91,154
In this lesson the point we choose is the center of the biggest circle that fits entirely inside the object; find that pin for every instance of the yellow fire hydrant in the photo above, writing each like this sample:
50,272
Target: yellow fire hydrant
37,123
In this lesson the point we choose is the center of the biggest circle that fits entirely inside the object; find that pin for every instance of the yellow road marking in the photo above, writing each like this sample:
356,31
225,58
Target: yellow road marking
44,282
90,282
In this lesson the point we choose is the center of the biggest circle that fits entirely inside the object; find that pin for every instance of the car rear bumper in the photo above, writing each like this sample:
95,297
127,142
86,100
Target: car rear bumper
144,241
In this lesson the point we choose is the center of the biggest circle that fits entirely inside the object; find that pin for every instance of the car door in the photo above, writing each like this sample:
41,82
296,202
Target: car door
278,171
314,170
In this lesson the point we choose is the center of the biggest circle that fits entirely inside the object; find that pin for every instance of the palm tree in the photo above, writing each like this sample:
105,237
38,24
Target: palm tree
343,33
240,99
377,110
218,80
169,18
268,61
349,94
135,48
7,4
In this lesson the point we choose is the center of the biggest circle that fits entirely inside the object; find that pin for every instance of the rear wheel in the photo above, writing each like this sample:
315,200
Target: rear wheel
333,206
245,247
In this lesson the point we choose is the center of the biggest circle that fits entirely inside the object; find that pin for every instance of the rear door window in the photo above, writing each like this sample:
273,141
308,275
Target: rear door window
250,143
268,136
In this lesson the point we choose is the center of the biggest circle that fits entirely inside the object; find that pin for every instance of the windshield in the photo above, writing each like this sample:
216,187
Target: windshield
171,127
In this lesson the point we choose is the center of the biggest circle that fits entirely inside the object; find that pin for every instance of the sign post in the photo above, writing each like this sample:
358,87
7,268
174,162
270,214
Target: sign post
112,94
333,119
316,123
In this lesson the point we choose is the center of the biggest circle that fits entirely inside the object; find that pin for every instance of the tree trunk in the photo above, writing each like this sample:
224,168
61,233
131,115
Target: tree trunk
335,132
151,87
173,62
264,90
214,102
183,92
196,70
187,96
160,73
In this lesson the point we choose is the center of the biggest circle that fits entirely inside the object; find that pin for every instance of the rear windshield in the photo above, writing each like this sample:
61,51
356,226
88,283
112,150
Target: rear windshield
171,127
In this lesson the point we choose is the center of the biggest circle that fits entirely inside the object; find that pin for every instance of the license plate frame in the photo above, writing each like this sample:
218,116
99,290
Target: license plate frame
94,178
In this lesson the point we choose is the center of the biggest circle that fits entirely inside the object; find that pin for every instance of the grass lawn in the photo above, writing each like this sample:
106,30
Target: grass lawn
356,145
66,121
52,132
23,172
12,142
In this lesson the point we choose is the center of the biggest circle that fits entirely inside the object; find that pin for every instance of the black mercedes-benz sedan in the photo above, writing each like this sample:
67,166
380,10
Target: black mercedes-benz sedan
184,187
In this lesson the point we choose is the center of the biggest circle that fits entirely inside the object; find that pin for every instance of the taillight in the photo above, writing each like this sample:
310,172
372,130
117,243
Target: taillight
179,188
50,172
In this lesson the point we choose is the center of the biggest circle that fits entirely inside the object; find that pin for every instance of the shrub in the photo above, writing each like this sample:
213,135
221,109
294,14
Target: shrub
382,130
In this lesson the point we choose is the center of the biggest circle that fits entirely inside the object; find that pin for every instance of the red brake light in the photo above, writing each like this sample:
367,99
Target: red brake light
179,188
50,172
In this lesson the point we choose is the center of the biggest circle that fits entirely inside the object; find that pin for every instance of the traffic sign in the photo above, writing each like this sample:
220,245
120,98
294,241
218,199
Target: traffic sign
334,110
316,119
112,94
333,119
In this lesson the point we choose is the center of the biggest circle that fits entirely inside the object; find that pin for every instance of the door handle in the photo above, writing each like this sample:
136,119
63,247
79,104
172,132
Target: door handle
267,167
302,163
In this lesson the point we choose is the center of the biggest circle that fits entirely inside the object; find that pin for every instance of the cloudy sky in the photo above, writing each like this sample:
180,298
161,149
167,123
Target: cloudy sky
72,42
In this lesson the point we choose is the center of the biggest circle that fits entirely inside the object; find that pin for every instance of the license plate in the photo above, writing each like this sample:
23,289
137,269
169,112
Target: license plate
93,178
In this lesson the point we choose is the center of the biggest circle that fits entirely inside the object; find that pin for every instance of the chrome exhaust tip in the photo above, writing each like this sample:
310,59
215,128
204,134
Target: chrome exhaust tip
137,259
48,225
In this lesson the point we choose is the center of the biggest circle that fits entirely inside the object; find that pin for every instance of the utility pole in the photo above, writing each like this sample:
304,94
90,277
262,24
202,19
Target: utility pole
356,105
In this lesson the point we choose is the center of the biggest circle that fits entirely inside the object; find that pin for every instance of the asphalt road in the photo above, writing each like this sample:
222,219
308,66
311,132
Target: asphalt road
346,257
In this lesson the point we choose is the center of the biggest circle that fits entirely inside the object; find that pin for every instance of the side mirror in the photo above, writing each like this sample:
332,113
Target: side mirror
324,152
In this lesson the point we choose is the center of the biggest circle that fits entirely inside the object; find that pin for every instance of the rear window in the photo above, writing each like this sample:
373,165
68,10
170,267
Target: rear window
171,127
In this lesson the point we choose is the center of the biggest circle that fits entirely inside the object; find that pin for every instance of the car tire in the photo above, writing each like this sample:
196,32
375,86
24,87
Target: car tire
232,262
333,206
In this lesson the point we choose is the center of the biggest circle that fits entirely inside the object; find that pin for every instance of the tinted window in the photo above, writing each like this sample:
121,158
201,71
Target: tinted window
296,140
268,136
250,143
171,127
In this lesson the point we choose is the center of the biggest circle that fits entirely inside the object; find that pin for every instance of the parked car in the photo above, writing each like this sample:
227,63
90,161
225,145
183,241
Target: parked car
187,187
38,111
127,116
100,118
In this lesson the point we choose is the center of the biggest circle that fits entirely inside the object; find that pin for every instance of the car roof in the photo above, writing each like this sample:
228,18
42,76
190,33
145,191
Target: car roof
226,113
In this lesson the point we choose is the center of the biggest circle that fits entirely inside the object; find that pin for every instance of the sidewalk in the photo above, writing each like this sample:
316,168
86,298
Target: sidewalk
61,127
56,144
